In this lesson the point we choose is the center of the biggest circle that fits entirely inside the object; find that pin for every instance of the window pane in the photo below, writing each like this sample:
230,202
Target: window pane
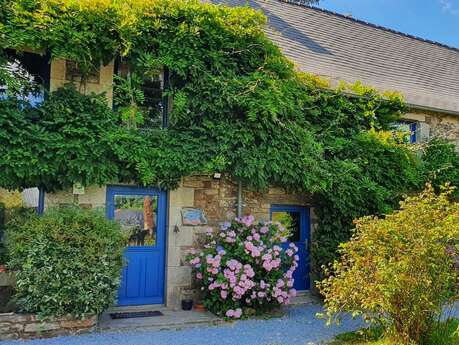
31,71
290,221
137,215
405,131
152,105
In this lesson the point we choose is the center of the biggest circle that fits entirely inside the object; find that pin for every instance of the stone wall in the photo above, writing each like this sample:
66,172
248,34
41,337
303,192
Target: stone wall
26,326
103,83
435,125
218,199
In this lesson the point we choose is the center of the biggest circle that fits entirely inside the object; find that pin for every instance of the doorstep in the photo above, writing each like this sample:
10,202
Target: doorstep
175,319
302,298
171,319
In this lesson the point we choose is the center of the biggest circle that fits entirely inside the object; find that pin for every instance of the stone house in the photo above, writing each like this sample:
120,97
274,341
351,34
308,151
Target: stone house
165,225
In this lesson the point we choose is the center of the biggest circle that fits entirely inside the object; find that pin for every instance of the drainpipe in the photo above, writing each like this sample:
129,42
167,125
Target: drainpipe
239,199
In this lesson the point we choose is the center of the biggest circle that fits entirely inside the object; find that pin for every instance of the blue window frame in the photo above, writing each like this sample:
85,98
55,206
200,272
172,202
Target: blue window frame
408,127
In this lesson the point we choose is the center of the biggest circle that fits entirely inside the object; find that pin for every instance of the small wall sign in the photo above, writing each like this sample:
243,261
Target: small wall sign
78,189
193,216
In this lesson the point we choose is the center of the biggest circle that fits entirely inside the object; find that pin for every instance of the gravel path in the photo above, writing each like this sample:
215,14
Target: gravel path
298,327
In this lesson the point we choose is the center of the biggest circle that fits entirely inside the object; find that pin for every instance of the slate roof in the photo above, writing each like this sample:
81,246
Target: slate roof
342,48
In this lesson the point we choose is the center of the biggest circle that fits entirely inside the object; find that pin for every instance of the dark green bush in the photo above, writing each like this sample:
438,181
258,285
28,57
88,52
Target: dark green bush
66,262
441,164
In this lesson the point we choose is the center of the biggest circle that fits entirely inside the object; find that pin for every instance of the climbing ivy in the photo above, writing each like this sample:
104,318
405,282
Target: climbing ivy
239,107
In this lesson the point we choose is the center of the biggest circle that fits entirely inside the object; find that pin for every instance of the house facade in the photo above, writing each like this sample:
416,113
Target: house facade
165,225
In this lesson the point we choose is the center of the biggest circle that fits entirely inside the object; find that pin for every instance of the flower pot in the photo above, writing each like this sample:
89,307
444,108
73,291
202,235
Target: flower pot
187,304
199,307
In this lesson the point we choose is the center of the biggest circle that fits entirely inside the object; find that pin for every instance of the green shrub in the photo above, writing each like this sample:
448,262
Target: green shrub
398,270
66,262
441,164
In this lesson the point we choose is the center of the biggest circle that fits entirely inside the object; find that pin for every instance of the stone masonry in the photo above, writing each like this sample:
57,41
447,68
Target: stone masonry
218,199
26,326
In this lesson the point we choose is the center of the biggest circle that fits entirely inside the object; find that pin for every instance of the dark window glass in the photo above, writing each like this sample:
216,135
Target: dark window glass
34,70
290,221
151,100
137,215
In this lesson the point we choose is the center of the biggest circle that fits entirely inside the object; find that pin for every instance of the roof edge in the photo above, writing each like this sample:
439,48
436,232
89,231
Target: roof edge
380,27
433,109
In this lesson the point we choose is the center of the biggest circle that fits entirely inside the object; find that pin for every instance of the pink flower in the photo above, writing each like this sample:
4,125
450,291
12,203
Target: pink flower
261,294
224,294
256,237
296,257
267,266
230,313
237,313
255,252
248,220
248,246
264,229
199,275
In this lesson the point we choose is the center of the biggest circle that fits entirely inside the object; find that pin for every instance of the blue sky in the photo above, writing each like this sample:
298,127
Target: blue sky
437,20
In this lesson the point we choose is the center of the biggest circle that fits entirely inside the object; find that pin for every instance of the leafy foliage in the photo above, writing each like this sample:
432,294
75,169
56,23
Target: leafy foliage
244,269
399,270
441,164
370,174
58,143
66,262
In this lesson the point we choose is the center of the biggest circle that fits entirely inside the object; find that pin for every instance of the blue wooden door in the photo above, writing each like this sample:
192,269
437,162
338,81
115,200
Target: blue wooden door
142,215
296,219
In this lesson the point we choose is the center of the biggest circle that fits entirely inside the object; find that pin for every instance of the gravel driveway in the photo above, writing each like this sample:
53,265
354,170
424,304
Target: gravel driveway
299,327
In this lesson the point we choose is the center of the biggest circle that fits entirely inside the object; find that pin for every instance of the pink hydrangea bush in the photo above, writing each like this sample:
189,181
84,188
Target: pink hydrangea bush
244,267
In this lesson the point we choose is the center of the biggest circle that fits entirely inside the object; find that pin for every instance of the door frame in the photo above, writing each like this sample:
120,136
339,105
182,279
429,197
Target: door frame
305,223
162,225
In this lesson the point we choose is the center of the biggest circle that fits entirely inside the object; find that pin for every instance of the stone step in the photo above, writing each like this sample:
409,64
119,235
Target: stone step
171,319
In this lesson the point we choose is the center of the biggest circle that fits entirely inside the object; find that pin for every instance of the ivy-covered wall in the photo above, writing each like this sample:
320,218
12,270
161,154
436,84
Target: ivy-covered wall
239,107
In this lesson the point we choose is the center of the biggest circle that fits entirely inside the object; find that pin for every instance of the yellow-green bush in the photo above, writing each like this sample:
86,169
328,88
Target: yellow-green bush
399,270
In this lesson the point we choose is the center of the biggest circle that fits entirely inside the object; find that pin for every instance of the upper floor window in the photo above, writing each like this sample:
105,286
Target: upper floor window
406,130
142,95
26,76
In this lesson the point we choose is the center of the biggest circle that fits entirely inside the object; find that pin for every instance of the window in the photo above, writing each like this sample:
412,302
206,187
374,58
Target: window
33,70
145,91
406,131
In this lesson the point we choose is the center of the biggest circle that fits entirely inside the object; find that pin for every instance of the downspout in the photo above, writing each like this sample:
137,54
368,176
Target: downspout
239,199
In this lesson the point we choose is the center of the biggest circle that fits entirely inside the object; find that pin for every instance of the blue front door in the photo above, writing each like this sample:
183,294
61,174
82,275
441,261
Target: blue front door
142,215
296,219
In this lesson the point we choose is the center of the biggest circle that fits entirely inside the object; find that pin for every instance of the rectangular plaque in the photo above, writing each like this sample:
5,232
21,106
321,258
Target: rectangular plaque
193,216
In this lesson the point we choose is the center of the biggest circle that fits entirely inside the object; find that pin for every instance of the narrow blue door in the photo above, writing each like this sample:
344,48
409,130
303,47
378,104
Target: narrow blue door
296,219
142,215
